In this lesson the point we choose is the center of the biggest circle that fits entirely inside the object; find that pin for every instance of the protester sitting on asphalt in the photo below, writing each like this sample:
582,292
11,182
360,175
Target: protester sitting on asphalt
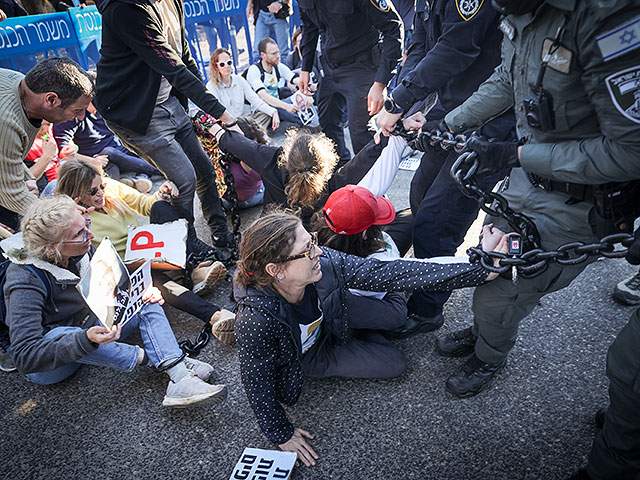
233,91
273,81
292,321
94,139
115,207
53,331
300,174
350,223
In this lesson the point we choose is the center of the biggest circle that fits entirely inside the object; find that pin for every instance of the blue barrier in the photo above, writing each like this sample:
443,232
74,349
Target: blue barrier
24,41
77,34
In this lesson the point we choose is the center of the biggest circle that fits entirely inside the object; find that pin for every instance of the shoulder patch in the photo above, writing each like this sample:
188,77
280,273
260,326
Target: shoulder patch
382,5
624,89
468,8
620,40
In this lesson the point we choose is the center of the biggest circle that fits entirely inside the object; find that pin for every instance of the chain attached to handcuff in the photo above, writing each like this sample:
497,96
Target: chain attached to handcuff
535,259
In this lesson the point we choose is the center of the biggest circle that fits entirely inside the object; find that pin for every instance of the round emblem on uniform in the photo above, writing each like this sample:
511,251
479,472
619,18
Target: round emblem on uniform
468,8
381,5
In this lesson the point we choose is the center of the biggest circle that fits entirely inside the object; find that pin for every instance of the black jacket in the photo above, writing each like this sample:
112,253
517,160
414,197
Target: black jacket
350,28
264,160
452,51
134,56
268,334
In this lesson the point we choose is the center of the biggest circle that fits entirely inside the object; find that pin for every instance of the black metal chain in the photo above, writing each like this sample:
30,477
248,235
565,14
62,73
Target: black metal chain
193,349
534,260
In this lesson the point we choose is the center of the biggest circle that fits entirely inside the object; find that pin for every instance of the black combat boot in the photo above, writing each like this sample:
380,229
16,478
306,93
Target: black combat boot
473,377
456,344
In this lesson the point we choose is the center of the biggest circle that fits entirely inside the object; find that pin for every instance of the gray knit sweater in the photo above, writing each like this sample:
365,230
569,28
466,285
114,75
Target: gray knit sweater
16,137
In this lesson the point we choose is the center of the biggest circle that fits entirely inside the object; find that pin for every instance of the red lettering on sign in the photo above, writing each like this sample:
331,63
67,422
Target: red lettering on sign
149,243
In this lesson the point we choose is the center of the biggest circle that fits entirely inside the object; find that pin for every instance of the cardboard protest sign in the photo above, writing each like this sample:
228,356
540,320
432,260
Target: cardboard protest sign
110,292
259,464
163,244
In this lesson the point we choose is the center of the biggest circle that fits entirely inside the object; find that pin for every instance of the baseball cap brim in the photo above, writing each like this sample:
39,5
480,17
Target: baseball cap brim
386,212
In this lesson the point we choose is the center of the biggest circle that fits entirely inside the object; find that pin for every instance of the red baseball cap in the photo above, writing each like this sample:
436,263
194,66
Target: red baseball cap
352,209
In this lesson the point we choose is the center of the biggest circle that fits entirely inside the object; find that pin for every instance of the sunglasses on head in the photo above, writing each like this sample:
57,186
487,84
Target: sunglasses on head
228,63
94,190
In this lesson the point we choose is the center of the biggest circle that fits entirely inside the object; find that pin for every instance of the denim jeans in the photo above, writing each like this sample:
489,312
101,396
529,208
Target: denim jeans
171,145
126,161
160,344
268,25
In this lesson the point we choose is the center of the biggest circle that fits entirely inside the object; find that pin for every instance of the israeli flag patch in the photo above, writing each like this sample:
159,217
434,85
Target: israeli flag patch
620,40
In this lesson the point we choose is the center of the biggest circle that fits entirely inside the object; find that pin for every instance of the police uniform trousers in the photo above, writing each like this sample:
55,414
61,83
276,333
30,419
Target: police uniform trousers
346,87
499,305
443,214
616,449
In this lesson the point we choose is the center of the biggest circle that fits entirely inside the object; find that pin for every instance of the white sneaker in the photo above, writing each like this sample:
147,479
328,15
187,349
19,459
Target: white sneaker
191,391
202,370
628,290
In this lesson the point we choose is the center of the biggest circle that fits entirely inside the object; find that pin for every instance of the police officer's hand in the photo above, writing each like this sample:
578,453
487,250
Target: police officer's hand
633,255
375,99
414,122
387,122
303,85
494,156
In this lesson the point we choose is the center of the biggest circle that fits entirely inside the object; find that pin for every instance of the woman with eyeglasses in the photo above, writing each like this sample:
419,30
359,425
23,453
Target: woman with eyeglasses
115,207
232,90
292,320
52,330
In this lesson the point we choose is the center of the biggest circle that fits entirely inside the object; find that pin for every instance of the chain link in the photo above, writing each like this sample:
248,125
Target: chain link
535,259
193,349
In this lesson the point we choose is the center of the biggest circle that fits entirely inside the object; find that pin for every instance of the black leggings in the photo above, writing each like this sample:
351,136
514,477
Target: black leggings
173,292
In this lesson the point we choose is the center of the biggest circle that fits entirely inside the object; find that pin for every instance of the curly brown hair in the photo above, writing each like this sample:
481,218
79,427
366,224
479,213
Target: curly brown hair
265,241
309,159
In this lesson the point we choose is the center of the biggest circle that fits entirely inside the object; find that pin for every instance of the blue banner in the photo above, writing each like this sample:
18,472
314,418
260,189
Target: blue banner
88,25
197,11
25,35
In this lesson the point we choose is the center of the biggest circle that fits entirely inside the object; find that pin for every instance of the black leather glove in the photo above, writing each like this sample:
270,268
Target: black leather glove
494,156
633,255
423,142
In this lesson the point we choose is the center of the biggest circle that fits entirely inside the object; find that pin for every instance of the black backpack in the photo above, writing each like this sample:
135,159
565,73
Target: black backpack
4,329
283,92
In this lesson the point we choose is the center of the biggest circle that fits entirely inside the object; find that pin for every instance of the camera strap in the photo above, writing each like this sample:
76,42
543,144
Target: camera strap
552,49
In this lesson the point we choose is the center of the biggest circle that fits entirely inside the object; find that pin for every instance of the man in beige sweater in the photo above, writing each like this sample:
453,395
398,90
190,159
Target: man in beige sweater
57,90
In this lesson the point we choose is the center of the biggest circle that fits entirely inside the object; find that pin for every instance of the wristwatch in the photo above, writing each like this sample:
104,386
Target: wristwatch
391,106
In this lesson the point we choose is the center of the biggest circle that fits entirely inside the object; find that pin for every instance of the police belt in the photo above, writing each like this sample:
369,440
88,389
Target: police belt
577,192
366,55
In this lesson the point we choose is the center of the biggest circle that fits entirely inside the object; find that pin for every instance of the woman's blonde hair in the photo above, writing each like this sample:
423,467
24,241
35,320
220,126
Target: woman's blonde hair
267,240
214,73
45,225
75,178
309,159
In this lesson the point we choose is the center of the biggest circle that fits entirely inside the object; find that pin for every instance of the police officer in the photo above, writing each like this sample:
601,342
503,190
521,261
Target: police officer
454,47
356,67
570,68
616,449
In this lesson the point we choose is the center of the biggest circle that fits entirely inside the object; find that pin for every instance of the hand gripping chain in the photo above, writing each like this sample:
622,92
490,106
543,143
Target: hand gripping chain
534,260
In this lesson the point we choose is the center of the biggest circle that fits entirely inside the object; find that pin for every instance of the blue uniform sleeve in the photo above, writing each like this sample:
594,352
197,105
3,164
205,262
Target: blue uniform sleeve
455,50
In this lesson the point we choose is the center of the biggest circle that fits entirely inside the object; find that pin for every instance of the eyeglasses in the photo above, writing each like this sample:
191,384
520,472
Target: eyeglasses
228,63
94,190
85,236
277,52
310,253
